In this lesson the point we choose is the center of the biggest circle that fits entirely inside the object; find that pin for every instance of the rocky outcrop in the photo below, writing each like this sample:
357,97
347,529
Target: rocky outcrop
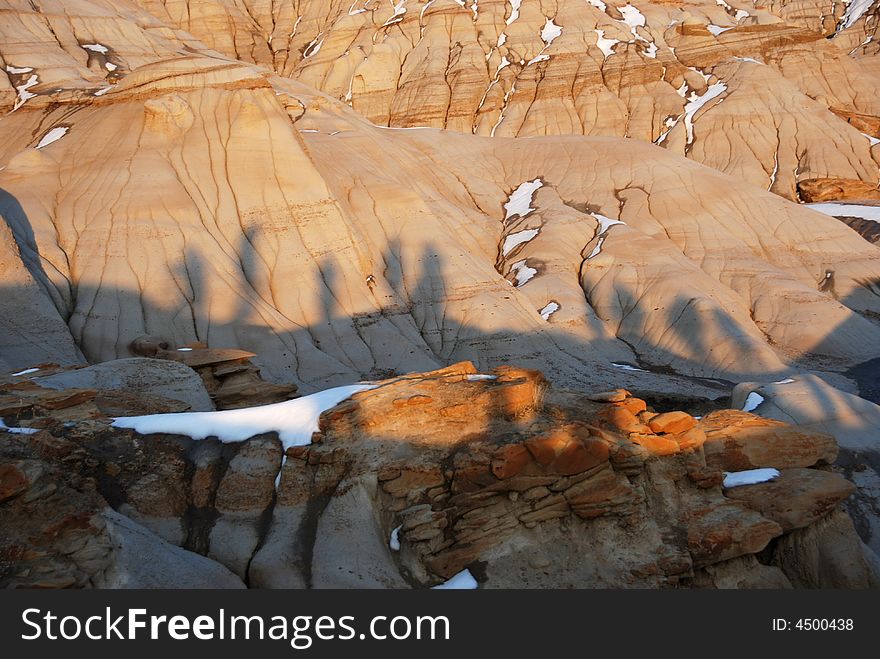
265,215
737,441
408,483
797,498
827,554
815,406
58,531
230,377
836,189
157,378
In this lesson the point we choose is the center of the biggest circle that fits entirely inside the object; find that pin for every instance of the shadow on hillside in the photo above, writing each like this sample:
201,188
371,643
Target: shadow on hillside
412,325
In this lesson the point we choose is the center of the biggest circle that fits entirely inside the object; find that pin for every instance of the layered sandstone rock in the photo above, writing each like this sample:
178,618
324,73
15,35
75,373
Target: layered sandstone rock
818,408
708,80
427,474
58,531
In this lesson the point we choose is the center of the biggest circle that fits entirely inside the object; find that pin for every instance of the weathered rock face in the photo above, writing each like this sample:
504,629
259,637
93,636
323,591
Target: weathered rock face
58,531
158,378
818,408
826,555
492,473
737,441
231,379
797,498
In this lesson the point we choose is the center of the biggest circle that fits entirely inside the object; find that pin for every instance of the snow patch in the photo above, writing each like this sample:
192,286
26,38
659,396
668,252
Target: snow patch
550,31
520,200
514,240
394,540
717,29
605,45
632,17
53,136
522,273
397,16
854,11
26,371
18,431
605,223
696,103
549,310
785,381
753,400
23,94
848,210
749,477
479,377
314,47
18,70
464,580
627,367
597,249
293,420
514,10
95,48
873,140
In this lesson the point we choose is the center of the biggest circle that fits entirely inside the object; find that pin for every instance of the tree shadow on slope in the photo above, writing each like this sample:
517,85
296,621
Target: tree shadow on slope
304,334
410,327
19,224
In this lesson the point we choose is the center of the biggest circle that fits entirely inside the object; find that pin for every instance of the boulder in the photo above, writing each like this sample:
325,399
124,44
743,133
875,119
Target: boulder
672,422
141,559
815,406
737,441
797,498
140,375
726,531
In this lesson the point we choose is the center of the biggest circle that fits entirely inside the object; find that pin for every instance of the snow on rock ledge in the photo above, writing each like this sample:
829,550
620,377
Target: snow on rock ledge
749,477
295,420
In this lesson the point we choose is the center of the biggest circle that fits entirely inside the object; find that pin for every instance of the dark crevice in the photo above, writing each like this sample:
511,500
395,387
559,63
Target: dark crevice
199,520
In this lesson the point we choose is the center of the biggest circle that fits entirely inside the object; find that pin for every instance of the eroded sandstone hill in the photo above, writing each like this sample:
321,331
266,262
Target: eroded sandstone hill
792,86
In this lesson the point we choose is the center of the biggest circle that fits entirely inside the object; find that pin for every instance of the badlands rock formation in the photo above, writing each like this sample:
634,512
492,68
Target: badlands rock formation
607,193
785,93
424,476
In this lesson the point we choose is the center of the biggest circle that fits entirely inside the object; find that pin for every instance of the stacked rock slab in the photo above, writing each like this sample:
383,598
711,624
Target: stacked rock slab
230,377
